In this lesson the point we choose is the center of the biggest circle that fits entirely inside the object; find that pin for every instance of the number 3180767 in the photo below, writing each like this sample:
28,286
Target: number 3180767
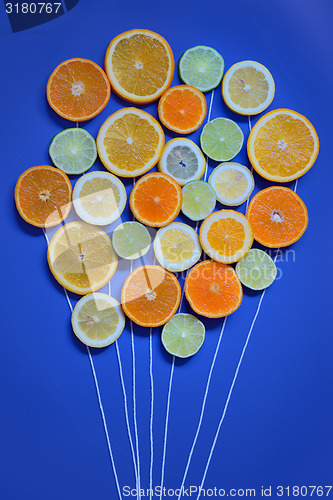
32,8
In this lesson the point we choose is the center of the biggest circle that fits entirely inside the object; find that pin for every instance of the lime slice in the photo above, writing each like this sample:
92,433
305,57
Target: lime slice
233,183
221,139
183,160
98,320
183,335
199,200
256,270
73,150
202,67
131,240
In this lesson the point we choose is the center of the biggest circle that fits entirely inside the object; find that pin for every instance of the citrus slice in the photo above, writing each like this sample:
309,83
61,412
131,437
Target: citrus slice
282,145
256,270
98,320
226,236
73,150
183,335
232,182
278,216
177,246
213,289
43,196
183,160
78,90
150,296
140,65
130,142
202,67
131,240
156,199
248,88
99,198
221,139
182,109
199,200
81,257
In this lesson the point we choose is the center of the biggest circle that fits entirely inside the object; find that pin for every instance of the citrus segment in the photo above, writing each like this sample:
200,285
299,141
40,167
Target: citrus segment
256,270
183,335
221,139
130,142
232,182
278,216
73,150
131,240
140,65
156,199
182,109
282,145
43,196
213,289
150,296
78,89
202,67
199,200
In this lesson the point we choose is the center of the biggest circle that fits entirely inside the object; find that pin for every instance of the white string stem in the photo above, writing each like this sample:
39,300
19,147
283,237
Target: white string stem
248,200
208,119
166,424
151,411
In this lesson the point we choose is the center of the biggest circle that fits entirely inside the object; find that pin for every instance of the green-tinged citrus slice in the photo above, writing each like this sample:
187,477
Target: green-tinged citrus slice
256,270
183,160
199,200
131,240
183,335
99,198
232,182
202,67
98,320
177,246
73,150
221,139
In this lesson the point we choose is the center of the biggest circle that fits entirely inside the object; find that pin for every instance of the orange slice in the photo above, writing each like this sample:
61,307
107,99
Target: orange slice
130,142
282,145
182,109
156,199
150,295
278,217
43,196
140,65
213,289
78,89
226,236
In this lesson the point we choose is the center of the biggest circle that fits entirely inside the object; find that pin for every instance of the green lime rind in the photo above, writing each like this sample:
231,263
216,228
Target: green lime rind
202,67
256,270
221,139
199,200
183,335
73,150
131,240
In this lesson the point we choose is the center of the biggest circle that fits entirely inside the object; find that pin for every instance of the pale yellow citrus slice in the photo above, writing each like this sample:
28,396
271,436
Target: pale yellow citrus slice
232,182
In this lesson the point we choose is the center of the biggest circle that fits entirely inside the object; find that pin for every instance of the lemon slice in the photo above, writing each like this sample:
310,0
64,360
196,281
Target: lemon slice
221,139
98,320
248,88
81,257
177,246
99,198
199,200
182,160
202,67
183,335
131,240
256,270
232,182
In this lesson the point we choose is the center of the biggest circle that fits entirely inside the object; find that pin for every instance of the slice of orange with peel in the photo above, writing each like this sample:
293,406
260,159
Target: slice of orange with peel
81,257
78,89
43,196
213,289
182,109
150,296
130,142
226,236
282,145
140,65
156,199
278,216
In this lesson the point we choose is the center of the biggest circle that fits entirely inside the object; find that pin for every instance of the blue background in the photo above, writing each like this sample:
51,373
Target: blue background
278,427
